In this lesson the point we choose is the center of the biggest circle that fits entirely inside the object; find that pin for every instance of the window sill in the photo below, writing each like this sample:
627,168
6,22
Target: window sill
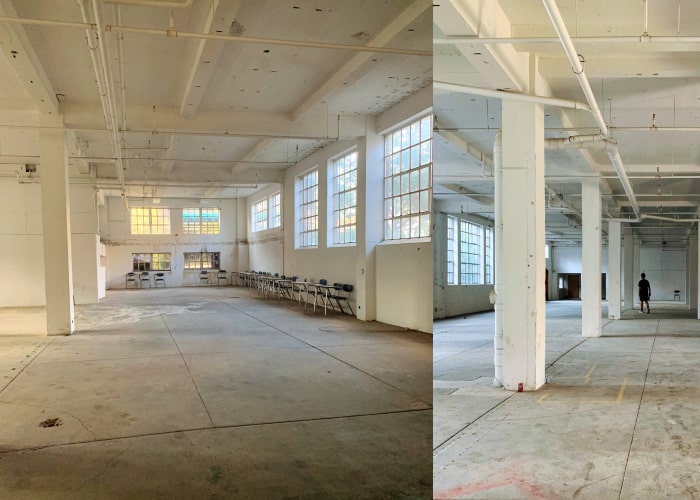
426,239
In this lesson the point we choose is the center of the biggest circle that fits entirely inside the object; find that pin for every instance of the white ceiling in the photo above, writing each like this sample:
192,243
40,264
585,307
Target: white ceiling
233,114
637,84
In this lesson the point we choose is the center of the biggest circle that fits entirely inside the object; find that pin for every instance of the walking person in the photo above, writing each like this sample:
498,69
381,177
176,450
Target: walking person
644,293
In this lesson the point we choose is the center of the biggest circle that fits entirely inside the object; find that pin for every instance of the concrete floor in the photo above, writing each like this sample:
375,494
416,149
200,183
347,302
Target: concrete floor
620,417
213,392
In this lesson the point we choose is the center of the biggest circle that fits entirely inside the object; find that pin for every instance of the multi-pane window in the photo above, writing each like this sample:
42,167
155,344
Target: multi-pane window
267,213
407,180
345,199
151,261
202,260
488,255
146,220
307,203
201,220
470,253
276,210
452,246
259,214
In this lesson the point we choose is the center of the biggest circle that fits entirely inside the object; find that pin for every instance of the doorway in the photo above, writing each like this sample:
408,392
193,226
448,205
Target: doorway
570,286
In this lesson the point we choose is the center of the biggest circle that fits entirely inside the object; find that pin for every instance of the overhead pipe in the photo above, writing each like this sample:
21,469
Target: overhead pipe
152,3
576,66
560,27
514,96
103,76
172,33
156,131
644,38
669,219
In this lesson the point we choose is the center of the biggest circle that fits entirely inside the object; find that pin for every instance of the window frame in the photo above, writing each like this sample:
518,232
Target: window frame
147,263
307,203
408,166
471,246
343,189
212,258
259,215
200,226
489,255
275,210
452,274
149,219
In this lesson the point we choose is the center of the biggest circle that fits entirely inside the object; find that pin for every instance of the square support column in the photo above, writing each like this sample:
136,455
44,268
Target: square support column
629,285
370,223
614,270
691,294
523,269
55,213
591,295
637,269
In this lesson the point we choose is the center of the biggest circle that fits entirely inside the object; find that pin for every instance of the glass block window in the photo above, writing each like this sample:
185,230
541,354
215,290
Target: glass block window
202,260
259,214
151,261
344,176
201,220
408,163
307,205
276,210
470,253
452,245
145,220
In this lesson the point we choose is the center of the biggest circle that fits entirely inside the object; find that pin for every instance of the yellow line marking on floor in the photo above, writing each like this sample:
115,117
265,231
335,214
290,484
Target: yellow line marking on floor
622,390
587,376
542,397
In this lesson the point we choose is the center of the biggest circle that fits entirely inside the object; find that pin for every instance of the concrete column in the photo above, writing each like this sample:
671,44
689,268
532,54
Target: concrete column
498,260
523,236
637,271
370,223
614,270
591,233
242,221
692,271
696,276
629,285
55,214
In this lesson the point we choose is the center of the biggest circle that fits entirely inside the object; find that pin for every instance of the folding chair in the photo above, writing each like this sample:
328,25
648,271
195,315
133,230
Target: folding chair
159,278
222,275
144,276
131,278
203,277
341,294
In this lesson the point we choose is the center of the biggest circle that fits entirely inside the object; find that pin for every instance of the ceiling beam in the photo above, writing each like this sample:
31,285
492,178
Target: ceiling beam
206,53
396,26
251,154
165,120
498,66
20,54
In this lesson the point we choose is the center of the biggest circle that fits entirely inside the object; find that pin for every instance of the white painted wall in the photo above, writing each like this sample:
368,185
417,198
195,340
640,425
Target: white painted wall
21,240
403,296
266,248
115,230
404,276
334,264
85,244
21,252
453,300
567,260
665,270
